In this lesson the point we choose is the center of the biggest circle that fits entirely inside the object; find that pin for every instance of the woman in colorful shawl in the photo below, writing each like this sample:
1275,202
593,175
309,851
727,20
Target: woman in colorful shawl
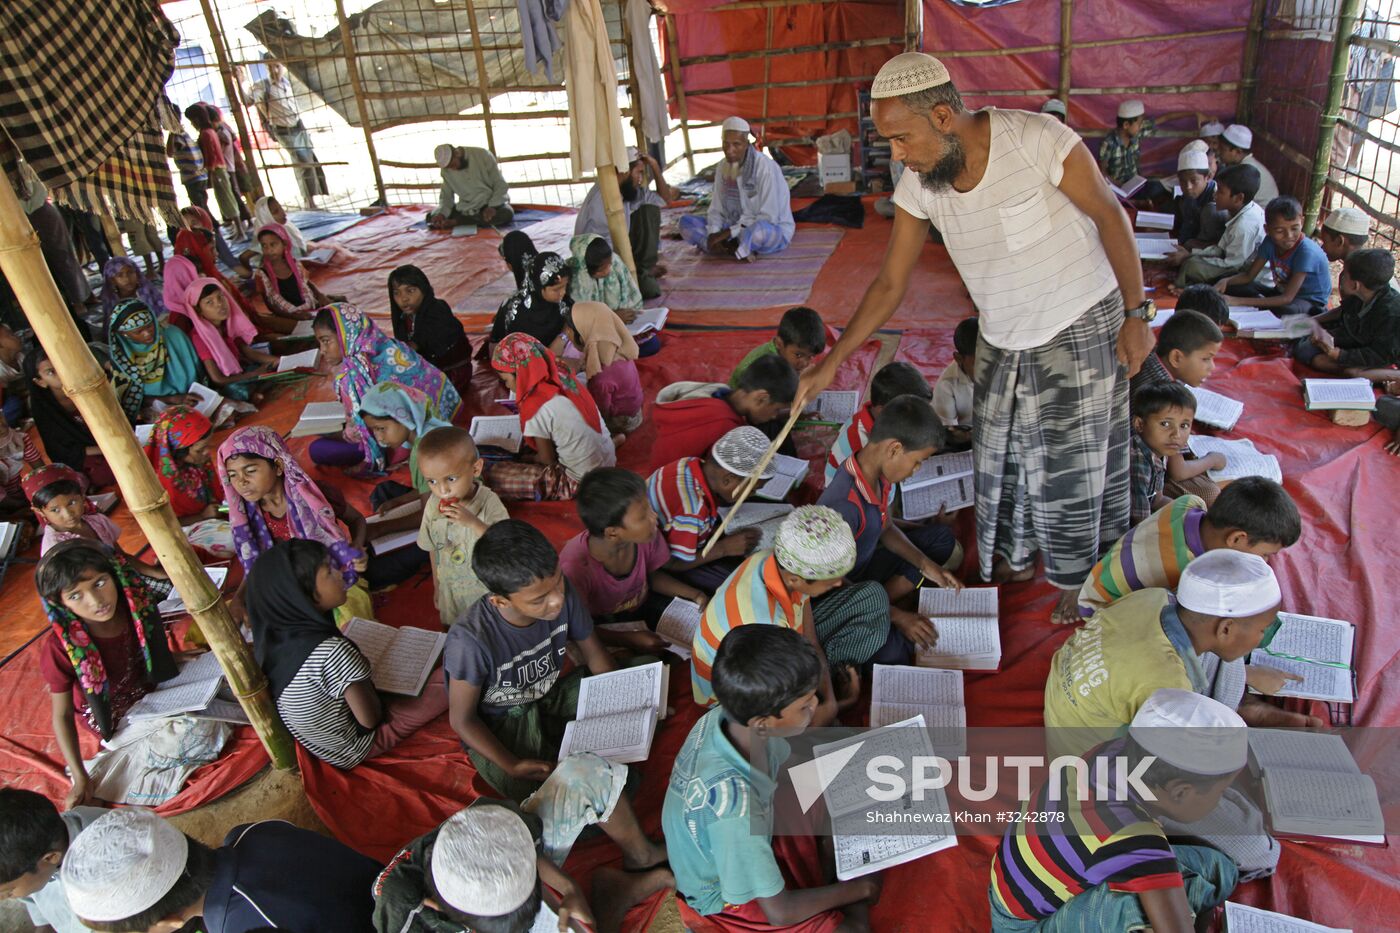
601,275
159,360
284,287
424,322
609,362
122,278
557,417
538,306
361,356
270,498
223,337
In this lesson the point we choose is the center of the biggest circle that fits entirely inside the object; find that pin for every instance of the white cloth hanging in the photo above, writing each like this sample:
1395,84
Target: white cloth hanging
647,71
590,77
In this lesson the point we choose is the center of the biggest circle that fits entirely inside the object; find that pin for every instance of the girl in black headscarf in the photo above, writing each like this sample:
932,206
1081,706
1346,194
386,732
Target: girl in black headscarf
538,307
426,323
517,249
319,679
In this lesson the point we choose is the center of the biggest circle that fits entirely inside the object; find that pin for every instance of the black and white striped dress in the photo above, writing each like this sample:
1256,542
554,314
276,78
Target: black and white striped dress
314,708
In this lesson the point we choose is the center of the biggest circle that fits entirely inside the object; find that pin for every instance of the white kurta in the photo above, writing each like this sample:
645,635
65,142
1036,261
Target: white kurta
761,193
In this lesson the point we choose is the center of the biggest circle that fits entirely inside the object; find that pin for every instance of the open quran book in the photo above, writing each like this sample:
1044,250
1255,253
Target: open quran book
791,472
617,714
941,482
400,659
1242,919
764,516
501,431
1216,410
900,692
678,625
969,638
834,405
1313,787
1318,650
319,418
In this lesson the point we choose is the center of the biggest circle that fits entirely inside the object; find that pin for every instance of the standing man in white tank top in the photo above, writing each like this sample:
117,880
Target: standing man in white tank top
1049,259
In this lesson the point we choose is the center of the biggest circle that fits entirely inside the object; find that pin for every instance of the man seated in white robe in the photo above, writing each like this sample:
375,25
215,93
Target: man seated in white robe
750,209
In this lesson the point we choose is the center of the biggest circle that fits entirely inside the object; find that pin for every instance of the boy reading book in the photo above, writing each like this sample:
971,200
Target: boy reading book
1118,153
952,393
1364,331
1251,514
1197,222
801,337
686,494
1124,874
730,877
812,553
1302,279
34,838
1162,416
485,867
1235,188
891,381
616,563
132,872
1203,299
460,509
904,435
691,416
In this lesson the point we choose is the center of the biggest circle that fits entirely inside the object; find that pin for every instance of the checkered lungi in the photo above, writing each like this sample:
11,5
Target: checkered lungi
531,482
1050,442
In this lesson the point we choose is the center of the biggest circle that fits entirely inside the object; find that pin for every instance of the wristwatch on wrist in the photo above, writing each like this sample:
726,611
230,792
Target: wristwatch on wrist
1143,312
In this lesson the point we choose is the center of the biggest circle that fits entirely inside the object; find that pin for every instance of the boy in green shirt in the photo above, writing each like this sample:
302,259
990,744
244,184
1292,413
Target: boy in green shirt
801,338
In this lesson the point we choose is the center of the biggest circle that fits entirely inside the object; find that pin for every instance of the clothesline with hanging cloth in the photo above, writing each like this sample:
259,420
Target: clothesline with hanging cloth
82,100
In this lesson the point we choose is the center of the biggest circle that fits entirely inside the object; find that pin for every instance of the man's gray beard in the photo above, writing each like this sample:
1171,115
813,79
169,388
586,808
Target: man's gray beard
947,168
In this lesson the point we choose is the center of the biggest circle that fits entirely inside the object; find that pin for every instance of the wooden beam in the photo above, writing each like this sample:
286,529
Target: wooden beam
768,52
767,69
1244,106
233,92
674,63
347,45
913,25
482,81
1066,49
1327,129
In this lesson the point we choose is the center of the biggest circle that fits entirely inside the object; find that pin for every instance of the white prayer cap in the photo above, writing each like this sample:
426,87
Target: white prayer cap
734,125
739,451
1213,128
1196,145
484,861
1193,160
1229,584
122,865
1131,110
1191,731
1054,105
443,155
815,543
907,73
633,155
1348,221
1239,136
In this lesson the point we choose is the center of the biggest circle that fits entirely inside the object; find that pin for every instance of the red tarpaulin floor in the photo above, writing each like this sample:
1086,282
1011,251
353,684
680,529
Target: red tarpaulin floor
1341,478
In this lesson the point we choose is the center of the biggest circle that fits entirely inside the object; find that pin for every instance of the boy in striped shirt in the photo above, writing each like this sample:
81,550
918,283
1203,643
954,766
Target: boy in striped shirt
1253,514
1103,861
891,381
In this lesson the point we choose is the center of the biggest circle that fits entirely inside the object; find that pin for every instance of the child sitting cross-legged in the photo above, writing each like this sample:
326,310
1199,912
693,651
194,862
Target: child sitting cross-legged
319,679
487,866
1123,873
801,337
34,838
223,337
1162,416
132,872
691,416
1235,188
616,563
509,699
459,511
813,551
1185,353
1251,514
952,393
892,560
1302,279
730,874
558,418
1363,333
686,495
891,381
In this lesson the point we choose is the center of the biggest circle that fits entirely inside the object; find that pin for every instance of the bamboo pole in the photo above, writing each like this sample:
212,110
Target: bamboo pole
606,176
1244,106
767,69
352,68
674,63
816,82
1327,129
235,97
634,91
483,80
913,25
23,266
1066,49
753,478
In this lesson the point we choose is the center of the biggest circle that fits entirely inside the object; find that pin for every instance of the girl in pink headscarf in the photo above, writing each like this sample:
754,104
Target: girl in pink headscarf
222,334
284,287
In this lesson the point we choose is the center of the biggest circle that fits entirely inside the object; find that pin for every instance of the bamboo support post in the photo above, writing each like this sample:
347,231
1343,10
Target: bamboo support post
1066,49
1244,106
483,80
352,68
913,25
23,266
233,92
1336,82
767,68
673,46
606,176
753,479
112,234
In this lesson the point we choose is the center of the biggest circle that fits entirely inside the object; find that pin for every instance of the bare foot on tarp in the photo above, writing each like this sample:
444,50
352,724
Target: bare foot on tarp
1067,609
845,683
615,892
1002,572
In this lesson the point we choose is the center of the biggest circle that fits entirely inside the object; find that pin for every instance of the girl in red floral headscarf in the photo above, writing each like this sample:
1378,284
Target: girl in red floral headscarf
557,417
180,449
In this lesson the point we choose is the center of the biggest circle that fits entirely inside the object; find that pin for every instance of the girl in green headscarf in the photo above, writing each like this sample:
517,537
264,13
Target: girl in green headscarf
159,360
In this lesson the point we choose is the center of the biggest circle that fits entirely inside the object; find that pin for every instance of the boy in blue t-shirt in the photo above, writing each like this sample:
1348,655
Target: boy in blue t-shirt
1302,279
